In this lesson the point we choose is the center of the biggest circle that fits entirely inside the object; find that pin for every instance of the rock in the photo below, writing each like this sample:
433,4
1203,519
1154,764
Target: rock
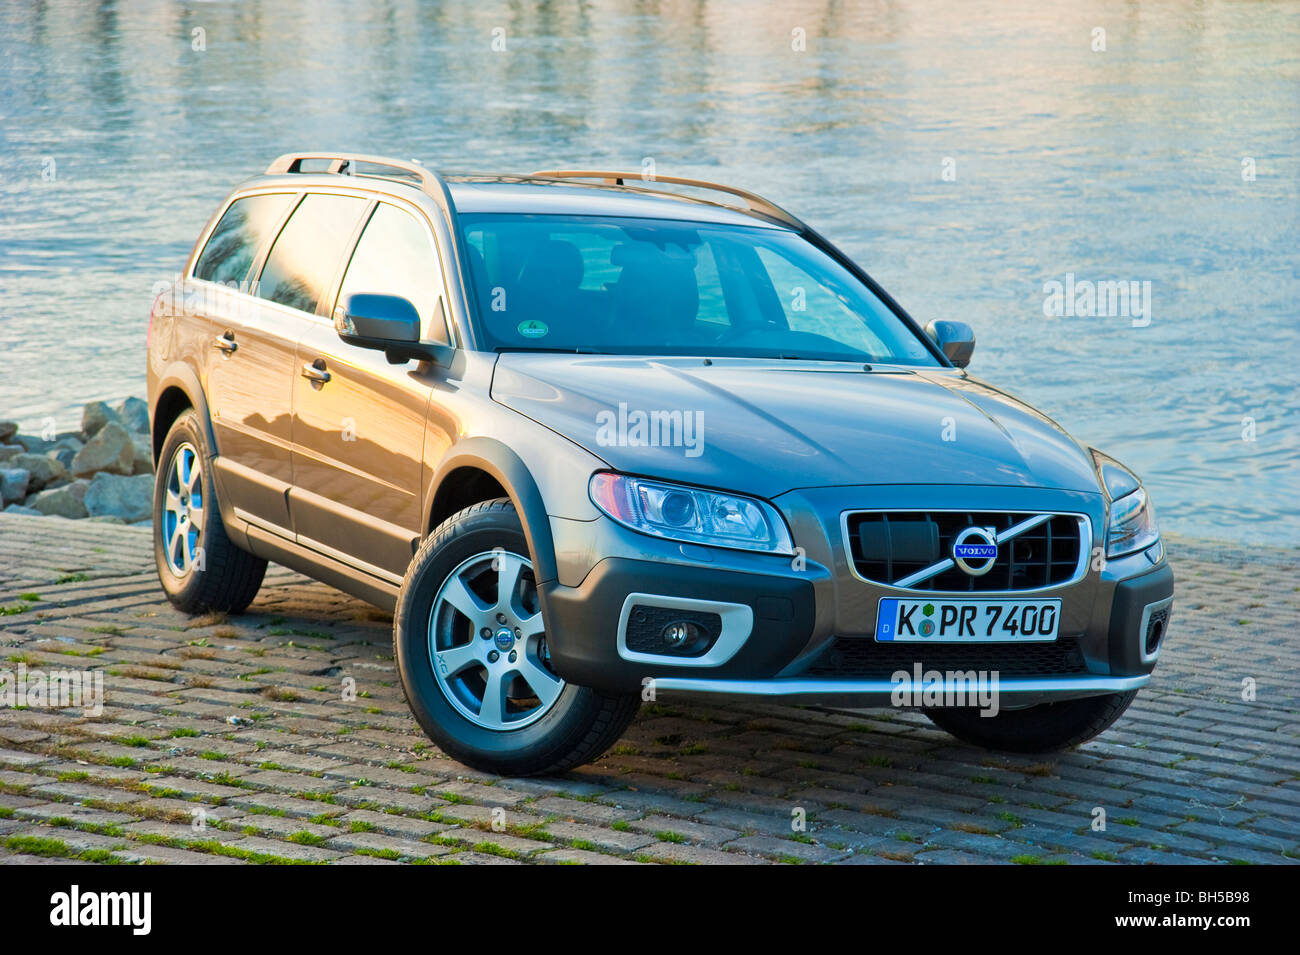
111,449
64,456
123,498
7,451
20,509
44,471
134,413
33,443
66,501
13,485
94,416
143,454
7,430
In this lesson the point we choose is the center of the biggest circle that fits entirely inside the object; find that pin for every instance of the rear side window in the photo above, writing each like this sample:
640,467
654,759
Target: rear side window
307,252
234,242
396,257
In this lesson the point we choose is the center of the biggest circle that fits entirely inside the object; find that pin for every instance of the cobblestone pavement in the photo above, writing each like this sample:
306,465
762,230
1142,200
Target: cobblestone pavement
229,741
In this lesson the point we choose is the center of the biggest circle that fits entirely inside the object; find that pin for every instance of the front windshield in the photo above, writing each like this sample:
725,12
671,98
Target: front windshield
647,286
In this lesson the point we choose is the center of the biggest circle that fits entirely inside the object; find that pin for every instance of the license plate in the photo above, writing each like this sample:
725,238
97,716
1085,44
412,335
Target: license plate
939,620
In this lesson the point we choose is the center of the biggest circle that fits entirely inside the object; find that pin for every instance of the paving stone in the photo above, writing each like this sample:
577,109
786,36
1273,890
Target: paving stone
611,840
379,842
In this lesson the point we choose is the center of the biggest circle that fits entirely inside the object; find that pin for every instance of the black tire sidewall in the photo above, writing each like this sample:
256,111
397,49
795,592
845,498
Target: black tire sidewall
540,743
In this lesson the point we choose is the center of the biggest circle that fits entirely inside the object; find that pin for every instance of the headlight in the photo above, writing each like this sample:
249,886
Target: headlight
1132,526
691,514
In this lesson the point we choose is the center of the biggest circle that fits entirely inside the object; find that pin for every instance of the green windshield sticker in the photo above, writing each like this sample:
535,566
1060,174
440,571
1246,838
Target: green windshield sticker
533,329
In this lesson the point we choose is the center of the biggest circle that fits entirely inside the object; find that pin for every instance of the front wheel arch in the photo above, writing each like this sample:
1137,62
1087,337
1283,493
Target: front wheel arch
501,465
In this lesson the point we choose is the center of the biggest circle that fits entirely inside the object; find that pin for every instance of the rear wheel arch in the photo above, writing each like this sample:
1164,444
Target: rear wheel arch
177,390
480,469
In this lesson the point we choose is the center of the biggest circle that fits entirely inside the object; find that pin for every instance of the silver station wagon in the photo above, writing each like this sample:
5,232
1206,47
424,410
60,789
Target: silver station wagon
596,439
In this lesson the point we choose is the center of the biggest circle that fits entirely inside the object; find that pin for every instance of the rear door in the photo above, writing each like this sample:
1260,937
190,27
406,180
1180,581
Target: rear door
251,384
247,364
359,434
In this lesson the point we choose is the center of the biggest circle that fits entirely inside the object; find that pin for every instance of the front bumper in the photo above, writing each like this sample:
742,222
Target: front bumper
811,620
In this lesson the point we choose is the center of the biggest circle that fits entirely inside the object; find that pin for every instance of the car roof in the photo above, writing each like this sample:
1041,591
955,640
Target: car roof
527,196
554,192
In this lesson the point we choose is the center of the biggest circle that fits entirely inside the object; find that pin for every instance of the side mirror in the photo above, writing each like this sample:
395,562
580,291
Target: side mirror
387,323
955,339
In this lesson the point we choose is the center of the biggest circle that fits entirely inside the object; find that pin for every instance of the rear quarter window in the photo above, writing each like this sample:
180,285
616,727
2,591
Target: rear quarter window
234,243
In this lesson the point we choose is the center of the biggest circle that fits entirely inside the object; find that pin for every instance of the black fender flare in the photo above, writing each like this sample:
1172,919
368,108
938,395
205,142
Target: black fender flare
508,469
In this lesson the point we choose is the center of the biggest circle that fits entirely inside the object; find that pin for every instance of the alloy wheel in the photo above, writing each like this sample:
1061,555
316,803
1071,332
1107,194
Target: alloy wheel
487,642
183,514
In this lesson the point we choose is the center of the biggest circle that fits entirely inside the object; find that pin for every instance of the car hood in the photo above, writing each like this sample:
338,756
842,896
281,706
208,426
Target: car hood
770,426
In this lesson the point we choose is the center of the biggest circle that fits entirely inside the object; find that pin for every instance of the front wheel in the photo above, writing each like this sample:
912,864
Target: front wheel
1044,728
471,649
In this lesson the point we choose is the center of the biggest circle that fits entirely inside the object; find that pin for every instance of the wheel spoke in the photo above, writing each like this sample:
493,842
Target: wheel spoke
532,626
456,593
197,518
174,548
456,660
493,709
546,686
508,579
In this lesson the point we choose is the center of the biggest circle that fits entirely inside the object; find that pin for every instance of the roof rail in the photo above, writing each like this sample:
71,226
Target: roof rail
753,202
344,164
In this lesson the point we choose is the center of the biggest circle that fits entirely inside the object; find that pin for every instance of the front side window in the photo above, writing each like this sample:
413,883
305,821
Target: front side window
234,243
306,254
615,285
396,257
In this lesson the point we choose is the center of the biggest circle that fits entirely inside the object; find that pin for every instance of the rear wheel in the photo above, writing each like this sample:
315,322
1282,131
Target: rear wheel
1035,729
471,648
200,568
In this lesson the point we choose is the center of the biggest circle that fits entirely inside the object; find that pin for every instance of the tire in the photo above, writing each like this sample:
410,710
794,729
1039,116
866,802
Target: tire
510,715
1045,728
201,570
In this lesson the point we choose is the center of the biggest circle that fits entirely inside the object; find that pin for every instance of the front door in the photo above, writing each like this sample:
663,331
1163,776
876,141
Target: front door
359,422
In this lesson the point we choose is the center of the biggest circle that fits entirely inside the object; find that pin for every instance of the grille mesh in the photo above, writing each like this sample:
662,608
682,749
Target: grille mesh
887,546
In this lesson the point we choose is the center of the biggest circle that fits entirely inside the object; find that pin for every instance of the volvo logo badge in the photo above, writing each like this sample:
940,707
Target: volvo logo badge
976,550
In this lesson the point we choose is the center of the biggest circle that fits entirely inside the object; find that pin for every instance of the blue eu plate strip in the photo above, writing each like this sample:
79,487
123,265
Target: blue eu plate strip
885,617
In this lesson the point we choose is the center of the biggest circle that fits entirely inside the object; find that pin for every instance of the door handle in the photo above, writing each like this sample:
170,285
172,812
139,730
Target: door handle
315,371
226,342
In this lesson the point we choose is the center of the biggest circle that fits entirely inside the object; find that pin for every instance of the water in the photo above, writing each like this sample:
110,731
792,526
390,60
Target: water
118,138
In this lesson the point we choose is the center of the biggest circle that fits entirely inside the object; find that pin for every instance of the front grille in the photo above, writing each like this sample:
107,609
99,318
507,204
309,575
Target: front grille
889,546
864,658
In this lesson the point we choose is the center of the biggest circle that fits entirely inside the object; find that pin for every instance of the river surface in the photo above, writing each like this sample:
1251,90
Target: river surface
967,154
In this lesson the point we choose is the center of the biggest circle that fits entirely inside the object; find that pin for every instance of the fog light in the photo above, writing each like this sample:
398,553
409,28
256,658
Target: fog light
679,633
